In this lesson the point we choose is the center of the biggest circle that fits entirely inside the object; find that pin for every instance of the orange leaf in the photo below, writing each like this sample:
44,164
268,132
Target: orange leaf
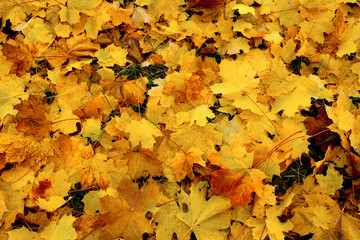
239,185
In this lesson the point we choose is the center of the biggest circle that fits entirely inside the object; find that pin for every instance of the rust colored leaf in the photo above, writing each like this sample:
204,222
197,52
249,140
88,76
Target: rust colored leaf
33,117
20,55
240,186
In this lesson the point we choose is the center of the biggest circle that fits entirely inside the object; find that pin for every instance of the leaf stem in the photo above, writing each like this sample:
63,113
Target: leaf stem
138,194
28,2
286,140
164,134
240,233
261,110
262,232
31,168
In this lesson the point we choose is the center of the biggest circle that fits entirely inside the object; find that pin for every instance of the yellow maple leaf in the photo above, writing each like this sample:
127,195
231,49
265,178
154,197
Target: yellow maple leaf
271,225
70,15
96,171
11,89
83,5
274,226
233,46
243,9
50,189
202,138
183,164
128,220
22,234
60,230
112,55
300,96
142,132
92,201
94,23
340,113
13,11
233,157
330,183
141,162
92,129
200,115
38,31
321,215
205,218
63,30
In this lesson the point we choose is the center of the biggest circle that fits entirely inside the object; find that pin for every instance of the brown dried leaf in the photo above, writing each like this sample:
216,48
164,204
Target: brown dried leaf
33,117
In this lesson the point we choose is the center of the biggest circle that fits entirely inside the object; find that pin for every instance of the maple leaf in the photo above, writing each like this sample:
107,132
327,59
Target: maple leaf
315,29
37,31
15,197
189,89
311,86
10,88
233,46
210,8
123,222
340,113
232,86
92,129
112,55
133,92
141,162
50,189
243,9
96,106
330,183
128,220
182,164
96,171
200,114
202,138
142,132
13,11
317,124
156,8
71,48
33,117
20,55
239,186
22,234
272,226
63,229
233,158
205,218
344,34
23,150
71,152
322,216
261,65
130,92
84,5
70,98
